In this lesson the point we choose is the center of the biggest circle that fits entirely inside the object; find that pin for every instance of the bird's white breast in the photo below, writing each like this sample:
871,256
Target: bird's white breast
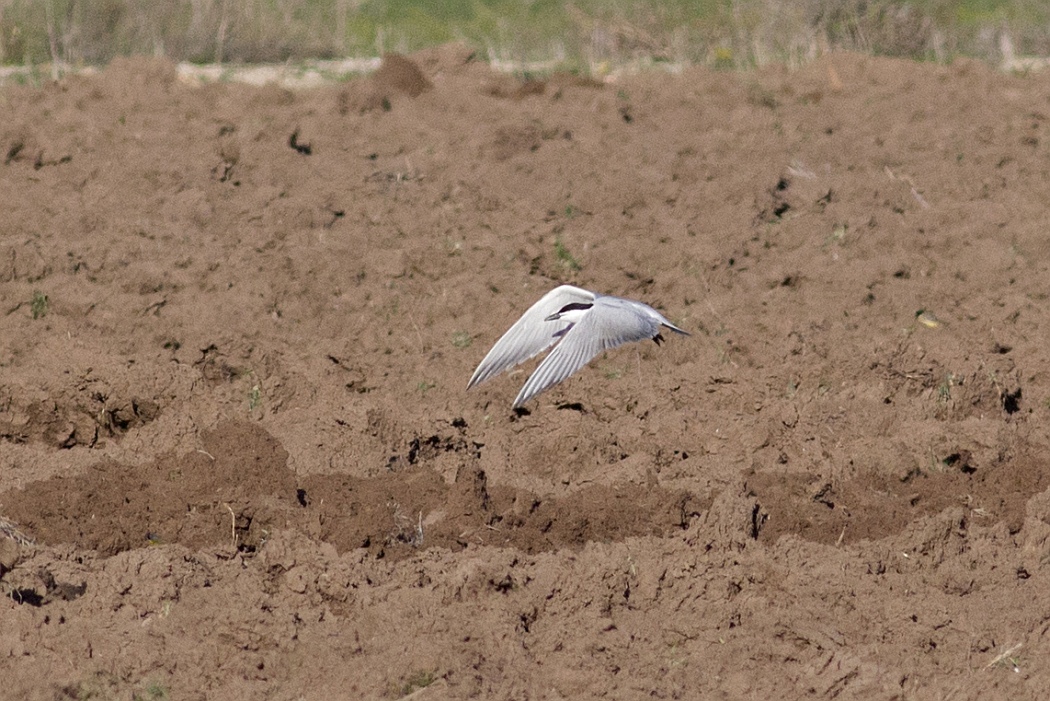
573,316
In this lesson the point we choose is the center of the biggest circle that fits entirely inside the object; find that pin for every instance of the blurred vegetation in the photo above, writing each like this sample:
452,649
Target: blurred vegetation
568,33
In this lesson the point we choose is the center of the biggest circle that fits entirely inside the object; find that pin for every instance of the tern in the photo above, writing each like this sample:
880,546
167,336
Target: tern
582,323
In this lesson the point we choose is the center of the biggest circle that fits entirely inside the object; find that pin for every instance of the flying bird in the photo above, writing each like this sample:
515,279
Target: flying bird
582,323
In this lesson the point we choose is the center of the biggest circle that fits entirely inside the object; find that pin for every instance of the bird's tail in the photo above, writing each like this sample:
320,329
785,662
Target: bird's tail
674,328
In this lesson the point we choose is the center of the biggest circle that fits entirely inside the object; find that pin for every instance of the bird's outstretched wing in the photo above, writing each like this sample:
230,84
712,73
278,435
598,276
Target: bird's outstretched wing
530,334
609,323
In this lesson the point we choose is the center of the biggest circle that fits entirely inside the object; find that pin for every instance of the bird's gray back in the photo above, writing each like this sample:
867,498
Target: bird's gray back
618,321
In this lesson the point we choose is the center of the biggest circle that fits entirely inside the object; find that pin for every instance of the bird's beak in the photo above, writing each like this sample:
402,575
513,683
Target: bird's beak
553,317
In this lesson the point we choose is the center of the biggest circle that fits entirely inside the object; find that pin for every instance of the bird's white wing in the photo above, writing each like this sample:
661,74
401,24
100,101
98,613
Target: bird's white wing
609,323
530,334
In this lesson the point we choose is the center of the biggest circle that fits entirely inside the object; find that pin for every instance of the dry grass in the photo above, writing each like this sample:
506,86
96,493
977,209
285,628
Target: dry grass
585,35
9,529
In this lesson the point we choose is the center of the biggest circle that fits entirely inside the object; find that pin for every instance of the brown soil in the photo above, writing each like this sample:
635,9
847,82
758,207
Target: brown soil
238,432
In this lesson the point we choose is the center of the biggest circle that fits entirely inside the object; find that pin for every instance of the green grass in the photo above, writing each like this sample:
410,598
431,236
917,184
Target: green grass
944,389
582,33
39,305
254,397
152,692
416,681
462,339
565,257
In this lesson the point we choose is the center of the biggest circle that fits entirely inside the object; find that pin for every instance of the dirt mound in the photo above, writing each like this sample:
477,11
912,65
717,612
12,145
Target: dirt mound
239,459
237,489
